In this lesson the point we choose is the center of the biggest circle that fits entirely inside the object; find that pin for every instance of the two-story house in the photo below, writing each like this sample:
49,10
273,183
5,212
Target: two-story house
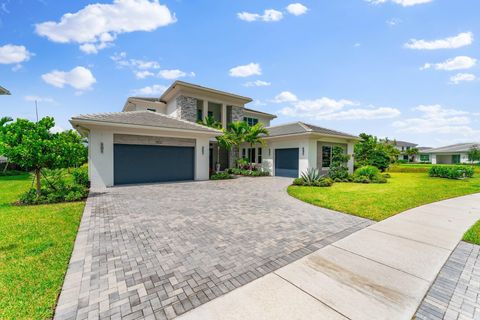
158,139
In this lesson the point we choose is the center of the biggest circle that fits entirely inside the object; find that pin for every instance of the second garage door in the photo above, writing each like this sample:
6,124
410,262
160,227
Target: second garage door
286,162
149,163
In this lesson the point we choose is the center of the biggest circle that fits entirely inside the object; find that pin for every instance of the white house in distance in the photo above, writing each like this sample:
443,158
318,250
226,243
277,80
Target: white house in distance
158,139
452,154
403,147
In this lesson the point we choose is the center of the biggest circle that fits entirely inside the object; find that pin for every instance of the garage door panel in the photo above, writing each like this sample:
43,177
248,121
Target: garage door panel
147,163
286,162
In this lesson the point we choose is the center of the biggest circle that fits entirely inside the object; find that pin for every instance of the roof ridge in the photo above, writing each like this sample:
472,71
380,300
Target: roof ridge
306,126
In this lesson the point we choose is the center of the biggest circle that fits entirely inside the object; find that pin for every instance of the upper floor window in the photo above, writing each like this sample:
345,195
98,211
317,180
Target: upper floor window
250,121
200,114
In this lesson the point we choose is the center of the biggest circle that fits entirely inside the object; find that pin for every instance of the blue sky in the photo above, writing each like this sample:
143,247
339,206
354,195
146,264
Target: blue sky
404,69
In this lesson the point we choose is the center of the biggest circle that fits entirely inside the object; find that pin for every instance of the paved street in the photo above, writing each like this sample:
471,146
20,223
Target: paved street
158,251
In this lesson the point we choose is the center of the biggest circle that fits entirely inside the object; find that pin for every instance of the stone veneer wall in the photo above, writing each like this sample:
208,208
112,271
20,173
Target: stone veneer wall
187,108
237,114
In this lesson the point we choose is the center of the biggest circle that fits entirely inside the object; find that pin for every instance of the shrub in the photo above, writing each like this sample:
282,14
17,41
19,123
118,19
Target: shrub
367,171
402,161
386,175
310,176
298,182
11,173
324,182
221,176
368,174
80,176
249,173
58,186
451,172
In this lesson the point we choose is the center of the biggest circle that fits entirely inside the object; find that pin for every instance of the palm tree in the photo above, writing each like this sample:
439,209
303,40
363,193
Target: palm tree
210,121
236,134
255,135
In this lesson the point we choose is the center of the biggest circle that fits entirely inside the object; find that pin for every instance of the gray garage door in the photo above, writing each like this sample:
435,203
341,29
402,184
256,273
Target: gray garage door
286,162
147,163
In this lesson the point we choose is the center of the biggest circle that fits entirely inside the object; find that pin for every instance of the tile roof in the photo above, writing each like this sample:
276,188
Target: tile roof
459,147
405,144
261,112
301,127
144,118
4,91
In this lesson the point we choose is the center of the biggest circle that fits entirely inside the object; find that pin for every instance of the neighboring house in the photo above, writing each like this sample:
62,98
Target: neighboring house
4,91
403,146
455,153
422,155
156,140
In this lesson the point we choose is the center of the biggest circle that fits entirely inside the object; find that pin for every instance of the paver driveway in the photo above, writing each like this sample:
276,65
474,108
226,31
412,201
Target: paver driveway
157,251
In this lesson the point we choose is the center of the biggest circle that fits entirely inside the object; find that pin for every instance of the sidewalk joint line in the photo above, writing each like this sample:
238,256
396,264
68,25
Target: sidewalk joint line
402,237
293,284
386,265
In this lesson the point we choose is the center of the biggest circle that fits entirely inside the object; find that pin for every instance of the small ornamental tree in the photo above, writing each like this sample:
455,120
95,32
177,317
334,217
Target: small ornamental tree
338,168
370,151
474,154
33,146
411,153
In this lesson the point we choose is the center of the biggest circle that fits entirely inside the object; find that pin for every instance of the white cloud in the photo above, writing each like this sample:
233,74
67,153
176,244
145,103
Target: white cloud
462,77
97,25
331,109
154,90
12,54
38,99
285,96
458,41
135,64
257,83
79,78
57,129
143,74
457,63
439,120
174,74
404,3
269,15
297,9
393,22
247,70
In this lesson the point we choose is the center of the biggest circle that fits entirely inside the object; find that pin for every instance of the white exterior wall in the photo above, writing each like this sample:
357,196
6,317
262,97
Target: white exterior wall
304,153
202,152
101,165
307,152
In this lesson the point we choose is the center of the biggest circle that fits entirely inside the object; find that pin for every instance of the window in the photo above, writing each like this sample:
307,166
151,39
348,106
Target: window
326,156
244,153
250,121
251,155
153,110
259,155
200,114
424,157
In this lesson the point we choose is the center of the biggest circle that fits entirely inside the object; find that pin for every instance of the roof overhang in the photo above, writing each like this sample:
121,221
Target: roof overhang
4,91
134,100
181,86
260,113
83,126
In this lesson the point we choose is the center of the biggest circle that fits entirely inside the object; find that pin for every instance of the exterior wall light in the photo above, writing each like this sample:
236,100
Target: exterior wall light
101,147
303,151
203,150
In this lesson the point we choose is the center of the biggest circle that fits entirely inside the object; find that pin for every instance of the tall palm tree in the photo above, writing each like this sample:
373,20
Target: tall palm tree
210,121
236,134
411,153
255,135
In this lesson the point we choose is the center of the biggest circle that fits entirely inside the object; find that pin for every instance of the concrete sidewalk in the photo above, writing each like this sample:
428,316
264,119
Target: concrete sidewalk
380,272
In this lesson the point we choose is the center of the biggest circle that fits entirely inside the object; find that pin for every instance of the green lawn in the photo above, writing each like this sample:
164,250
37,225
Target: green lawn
35,246
380,201
420,167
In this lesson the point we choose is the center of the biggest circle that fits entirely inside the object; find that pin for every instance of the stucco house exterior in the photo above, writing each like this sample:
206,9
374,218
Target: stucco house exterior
158,139
4,91
452,154
403,147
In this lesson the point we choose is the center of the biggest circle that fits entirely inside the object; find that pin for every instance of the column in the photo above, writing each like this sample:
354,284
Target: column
350,153
224,115
204,110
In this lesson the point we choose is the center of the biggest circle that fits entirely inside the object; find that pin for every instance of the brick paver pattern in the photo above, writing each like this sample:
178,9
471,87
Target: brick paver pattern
157,251
455,294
